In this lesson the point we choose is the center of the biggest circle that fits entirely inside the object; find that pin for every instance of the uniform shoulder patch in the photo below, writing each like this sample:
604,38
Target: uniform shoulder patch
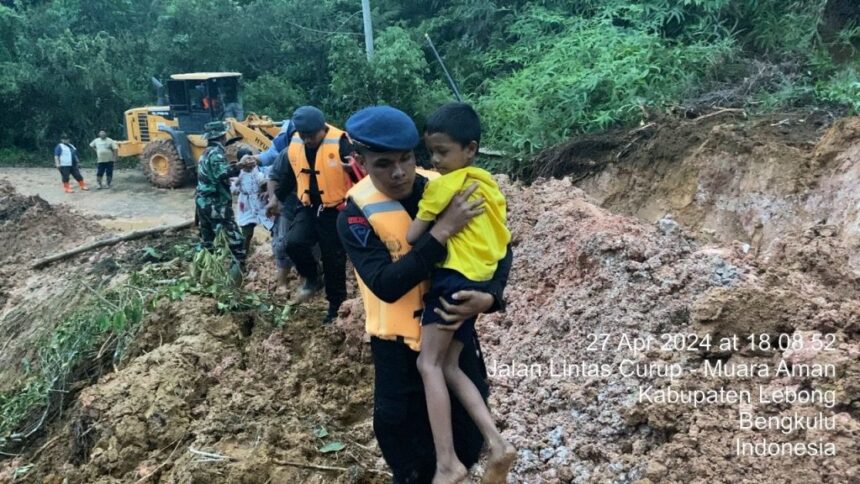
361,232
356,220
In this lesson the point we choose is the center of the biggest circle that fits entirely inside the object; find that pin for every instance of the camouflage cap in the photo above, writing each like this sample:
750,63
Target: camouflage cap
215,129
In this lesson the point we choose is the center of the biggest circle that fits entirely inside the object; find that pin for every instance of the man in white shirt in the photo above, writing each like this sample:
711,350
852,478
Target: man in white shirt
66,160
106,149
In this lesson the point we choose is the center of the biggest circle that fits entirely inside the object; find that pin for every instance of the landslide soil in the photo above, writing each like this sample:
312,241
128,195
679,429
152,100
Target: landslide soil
726,176
235,386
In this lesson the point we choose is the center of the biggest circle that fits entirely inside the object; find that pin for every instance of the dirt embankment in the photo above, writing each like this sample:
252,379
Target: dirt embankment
31,302
725,177
582,271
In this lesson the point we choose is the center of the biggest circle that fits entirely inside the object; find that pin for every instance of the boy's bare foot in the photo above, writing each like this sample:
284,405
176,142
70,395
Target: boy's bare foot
499,462
454,475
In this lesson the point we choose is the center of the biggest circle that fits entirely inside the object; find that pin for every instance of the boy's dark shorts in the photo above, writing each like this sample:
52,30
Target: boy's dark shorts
445,283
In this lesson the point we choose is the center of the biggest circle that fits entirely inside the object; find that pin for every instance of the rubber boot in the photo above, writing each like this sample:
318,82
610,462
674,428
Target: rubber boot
67,187
83,185
99,181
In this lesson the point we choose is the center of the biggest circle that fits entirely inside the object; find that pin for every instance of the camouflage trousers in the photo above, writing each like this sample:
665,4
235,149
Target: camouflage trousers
213,218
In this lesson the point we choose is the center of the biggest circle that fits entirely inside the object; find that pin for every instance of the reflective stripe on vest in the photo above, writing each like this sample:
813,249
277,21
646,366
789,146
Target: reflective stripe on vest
331,178
390,222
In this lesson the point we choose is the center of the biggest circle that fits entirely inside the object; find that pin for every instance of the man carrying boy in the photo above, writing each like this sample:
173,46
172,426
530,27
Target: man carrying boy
392,277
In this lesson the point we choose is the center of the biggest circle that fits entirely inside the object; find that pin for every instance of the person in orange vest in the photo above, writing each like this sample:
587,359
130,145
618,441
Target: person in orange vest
393,277
317,173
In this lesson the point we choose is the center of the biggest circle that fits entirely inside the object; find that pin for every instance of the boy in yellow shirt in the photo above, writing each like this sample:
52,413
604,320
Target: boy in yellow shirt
452,136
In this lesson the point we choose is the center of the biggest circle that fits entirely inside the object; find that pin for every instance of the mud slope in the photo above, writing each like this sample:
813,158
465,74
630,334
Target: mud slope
199,381
31,228
726,177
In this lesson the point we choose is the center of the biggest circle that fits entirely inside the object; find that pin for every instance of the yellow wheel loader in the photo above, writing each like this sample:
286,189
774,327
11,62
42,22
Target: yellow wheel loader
169,138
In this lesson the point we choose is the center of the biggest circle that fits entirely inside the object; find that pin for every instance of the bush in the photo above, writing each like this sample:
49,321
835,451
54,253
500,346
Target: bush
594,75
20,157
274,95
843,88
396,76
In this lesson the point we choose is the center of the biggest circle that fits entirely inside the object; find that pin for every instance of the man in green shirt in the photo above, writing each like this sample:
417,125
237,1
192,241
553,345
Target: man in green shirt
106,149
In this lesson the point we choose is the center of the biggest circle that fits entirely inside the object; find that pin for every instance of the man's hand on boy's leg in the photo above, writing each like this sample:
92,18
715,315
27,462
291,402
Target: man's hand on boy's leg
470,304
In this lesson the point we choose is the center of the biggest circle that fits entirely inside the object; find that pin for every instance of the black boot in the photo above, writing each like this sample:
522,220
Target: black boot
331,314
309,288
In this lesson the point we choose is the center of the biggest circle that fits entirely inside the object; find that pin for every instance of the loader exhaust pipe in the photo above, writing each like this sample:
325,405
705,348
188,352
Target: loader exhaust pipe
159,91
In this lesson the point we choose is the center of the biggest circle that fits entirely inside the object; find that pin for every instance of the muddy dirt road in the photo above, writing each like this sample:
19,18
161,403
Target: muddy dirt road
131,204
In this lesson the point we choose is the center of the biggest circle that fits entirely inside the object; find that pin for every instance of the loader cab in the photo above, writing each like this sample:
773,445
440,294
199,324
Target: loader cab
199,98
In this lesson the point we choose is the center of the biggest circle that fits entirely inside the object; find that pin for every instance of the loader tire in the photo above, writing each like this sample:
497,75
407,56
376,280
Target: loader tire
162,165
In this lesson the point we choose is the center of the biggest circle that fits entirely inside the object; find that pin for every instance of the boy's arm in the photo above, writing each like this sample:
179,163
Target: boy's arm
435,198
416,229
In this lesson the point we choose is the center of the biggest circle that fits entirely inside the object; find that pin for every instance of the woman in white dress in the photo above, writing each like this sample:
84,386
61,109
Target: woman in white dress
251,207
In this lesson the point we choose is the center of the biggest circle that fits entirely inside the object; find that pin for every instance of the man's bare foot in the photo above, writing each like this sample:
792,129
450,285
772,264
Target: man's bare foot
453,475
499,462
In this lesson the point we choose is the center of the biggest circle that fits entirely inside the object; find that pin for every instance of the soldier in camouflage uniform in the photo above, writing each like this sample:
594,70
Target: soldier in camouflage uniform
214,203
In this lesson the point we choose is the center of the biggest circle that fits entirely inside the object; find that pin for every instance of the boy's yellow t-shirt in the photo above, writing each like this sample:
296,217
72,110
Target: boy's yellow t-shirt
476,250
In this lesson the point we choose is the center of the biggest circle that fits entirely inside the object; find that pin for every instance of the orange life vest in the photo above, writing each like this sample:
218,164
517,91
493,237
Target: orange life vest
390,222
331,177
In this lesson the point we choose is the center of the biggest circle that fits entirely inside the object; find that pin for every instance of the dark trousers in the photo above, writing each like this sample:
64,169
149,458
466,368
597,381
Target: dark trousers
281,230
308,229
211,219
248,235
73,170
105,168
400,419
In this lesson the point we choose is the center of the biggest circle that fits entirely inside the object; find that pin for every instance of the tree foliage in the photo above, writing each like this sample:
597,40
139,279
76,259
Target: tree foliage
538,71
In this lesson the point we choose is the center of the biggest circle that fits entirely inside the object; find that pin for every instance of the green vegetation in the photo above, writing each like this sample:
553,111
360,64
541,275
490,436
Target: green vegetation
539,72
94,338
95,334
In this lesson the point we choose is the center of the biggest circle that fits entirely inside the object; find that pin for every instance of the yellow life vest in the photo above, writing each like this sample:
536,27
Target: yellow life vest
390,222
331,178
